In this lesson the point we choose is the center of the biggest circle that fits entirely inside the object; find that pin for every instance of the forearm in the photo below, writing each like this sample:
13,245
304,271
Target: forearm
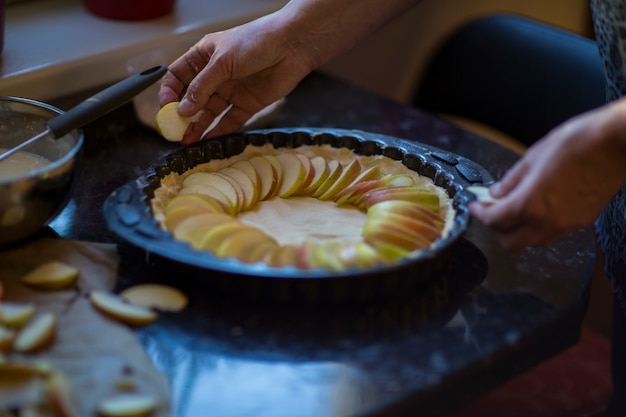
322,29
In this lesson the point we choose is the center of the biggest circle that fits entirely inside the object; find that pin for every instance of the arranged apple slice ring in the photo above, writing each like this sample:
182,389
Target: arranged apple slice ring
401,214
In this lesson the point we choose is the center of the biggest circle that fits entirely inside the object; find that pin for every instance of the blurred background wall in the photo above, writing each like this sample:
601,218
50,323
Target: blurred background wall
390,62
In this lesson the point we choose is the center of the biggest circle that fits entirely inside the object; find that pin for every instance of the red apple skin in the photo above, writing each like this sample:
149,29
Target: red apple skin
419,195
408,209
354,192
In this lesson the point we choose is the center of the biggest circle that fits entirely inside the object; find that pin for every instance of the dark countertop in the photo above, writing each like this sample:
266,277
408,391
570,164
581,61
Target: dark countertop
496,315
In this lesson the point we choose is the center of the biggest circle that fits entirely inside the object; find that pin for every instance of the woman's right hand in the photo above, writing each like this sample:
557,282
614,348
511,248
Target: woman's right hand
243,69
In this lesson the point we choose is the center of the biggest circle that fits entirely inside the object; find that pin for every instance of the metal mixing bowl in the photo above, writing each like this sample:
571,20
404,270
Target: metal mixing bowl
30,200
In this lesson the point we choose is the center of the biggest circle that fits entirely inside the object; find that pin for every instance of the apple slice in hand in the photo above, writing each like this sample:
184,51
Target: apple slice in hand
51,276
170,124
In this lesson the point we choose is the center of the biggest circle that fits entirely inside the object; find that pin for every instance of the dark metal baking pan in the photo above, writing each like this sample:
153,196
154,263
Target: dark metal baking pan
128,213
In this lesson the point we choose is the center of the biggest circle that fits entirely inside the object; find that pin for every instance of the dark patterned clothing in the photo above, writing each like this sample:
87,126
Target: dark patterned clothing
609,18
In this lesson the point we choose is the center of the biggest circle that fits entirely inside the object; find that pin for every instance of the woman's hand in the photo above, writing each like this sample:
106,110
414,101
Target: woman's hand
562,183
246,68
242,69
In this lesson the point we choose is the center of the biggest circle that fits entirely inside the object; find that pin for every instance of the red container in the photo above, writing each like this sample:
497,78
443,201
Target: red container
129,9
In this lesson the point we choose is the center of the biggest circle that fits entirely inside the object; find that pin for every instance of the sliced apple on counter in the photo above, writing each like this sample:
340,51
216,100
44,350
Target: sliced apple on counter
113,306
170,124
128,405
157,296
7,336
15,314
321,170
37,334
268,177
51,276
293,174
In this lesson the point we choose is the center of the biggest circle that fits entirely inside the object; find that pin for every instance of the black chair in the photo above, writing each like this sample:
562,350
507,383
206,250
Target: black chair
519,76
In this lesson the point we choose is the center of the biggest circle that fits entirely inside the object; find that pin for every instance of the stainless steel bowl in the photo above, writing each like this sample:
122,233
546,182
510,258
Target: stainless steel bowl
28,201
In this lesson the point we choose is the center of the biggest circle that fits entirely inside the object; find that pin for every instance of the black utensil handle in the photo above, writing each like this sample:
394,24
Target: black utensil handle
105,101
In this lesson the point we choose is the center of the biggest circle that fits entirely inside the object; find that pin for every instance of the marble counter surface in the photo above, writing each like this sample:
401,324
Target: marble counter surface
496,315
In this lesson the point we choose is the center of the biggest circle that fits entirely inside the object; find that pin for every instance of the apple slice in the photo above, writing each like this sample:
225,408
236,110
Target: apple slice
294,173
241,244
37,334
321,170
262,250
213,238
128,405
392,240
156,296
113,306
370,174
286,255
200,201
58,391
408,209
51,276
195,228
278,168
335,168
175,217
354,192
483,195
228,203
170,124
246,166
248,187
7,336
309,172
268,177
422,196
231,189
349,173
15,314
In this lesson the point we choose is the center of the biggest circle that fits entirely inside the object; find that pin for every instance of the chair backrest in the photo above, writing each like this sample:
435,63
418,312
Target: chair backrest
516,75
